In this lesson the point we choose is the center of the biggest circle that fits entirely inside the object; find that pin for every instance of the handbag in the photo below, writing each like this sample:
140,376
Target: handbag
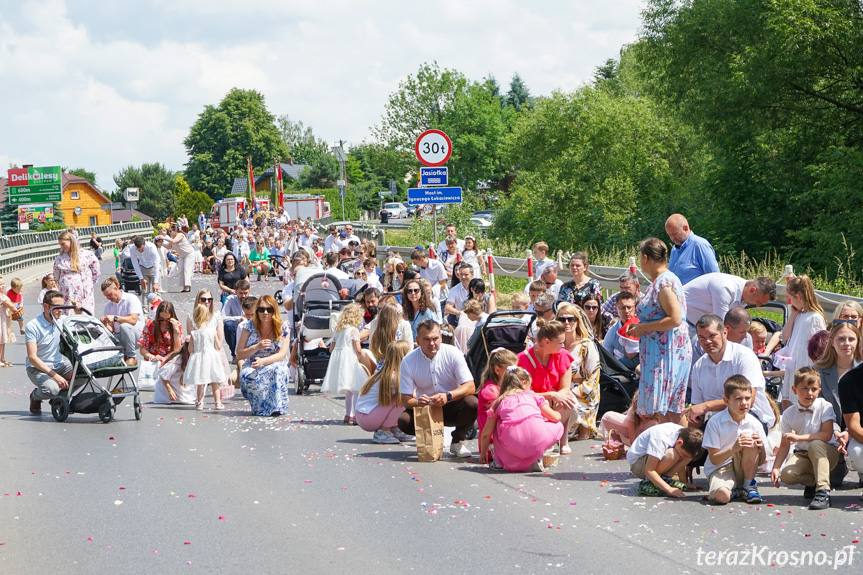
17,314
148,374
613,447
428,422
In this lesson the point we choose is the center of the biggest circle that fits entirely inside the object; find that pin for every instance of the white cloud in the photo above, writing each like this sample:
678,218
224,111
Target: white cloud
101,85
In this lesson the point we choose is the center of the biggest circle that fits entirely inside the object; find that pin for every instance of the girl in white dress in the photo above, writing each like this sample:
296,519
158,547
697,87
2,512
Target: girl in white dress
205,365
350,366
806,318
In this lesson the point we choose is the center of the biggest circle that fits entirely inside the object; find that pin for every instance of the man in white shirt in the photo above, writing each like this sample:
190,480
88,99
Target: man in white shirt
437,374
147,263
331,243
459,294
431,270
721,360
349,235
306,238
124,317
717,293
450,231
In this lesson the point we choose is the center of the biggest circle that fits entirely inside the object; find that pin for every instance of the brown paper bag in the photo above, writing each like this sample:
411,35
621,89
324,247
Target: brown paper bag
428,421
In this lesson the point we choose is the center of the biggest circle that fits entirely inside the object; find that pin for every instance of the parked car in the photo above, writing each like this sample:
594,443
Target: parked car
485,214
482,223
396,210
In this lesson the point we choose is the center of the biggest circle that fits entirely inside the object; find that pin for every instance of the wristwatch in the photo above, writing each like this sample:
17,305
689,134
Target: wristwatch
448,397
115,319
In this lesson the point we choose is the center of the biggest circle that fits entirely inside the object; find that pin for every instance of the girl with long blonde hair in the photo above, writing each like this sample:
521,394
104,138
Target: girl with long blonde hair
380,403
806,318
76,271
349,366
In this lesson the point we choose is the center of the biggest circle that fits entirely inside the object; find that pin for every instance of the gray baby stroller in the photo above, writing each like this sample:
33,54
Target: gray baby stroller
317,301
94,355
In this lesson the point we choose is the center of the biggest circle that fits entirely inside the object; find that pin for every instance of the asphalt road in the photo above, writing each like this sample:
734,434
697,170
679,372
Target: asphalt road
225,492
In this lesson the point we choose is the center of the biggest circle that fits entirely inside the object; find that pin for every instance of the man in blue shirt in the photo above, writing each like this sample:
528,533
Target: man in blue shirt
692,256
46,367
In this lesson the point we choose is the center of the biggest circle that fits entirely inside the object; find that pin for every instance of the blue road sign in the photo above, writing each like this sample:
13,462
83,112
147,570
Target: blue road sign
434,196
434,176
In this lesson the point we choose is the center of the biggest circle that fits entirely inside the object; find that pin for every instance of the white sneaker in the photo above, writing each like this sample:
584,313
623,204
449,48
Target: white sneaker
382,436
401,435
459,449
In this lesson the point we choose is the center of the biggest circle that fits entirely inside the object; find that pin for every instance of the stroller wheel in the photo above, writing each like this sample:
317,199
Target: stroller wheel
279,297
474,431
106,412
301,380
139,412
60,408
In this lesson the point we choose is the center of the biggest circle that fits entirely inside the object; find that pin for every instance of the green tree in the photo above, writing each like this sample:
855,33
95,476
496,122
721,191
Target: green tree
82,173
302,144
323,172
156,185
468,112
519,96
189,202
225,135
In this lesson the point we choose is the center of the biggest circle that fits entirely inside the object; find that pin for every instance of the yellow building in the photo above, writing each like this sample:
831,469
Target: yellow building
82,203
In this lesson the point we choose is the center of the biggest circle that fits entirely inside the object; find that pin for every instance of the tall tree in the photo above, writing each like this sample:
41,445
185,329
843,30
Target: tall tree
519,96
156,184
225,135
82,173
303,146
189,202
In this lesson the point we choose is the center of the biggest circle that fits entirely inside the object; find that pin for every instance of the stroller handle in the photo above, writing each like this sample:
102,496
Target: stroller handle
65,307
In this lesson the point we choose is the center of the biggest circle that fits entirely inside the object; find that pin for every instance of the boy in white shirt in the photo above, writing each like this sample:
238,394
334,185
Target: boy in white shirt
808,426
661,452
734,446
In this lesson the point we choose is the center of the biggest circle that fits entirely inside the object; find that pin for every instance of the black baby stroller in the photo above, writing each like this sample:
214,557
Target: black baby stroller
94,355
617,383
315,304
128,278
773,383
506,329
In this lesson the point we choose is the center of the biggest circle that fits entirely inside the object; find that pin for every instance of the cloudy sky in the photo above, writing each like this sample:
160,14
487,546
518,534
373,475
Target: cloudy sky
102,84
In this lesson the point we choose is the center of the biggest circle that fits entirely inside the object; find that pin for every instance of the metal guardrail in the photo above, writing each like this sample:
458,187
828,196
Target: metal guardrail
21,251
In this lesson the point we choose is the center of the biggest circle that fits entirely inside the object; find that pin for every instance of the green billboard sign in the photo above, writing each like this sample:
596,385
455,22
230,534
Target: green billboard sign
33,185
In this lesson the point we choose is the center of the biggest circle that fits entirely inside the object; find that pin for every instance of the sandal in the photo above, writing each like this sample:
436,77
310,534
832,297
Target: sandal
220,406
199,405
5,364
565,450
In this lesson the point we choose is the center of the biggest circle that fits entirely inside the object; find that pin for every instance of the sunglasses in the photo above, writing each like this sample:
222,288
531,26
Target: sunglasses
591,307
206,299
841,321
163,320
265,310
412,291
567,319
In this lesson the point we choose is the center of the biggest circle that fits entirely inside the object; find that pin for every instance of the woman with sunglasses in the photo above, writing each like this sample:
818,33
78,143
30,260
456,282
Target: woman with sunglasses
162,341
264,342
599,322
476,287
416,305
578,341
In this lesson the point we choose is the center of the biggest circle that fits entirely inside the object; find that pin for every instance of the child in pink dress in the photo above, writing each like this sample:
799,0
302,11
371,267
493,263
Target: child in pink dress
524,425
498,361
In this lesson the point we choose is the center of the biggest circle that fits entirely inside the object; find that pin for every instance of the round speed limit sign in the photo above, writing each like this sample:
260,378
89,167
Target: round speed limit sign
427,209
433,148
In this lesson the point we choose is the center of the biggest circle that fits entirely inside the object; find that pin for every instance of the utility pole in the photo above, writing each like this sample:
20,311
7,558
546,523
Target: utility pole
339,153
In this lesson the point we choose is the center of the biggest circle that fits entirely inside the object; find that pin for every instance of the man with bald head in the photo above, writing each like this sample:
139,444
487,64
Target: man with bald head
692,255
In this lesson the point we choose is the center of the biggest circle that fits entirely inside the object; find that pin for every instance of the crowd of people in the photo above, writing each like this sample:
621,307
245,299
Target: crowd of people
703,361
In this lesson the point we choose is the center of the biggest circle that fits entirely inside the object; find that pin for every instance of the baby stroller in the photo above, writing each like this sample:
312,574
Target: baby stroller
315,304
773,383
506,329
617,383
94,355
128,278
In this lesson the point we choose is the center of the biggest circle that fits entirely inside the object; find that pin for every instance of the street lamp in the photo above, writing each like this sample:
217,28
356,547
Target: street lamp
342,158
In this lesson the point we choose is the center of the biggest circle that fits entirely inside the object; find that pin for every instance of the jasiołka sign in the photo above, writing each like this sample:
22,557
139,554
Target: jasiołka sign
35,185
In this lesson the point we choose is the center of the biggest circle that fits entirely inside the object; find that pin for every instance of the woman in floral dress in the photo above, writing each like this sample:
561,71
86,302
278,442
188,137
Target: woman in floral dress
581,286
664,349
578,341
75,271
262,345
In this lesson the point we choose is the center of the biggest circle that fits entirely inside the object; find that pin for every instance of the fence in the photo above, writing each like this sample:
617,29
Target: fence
21,251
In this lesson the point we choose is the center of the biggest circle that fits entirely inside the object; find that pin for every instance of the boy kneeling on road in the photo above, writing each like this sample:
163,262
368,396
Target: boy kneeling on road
734,446
659,453
808,426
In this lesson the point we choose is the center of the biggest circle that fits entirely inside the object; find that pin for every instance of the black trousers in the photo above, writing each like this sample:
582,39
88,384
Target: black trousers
459,413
